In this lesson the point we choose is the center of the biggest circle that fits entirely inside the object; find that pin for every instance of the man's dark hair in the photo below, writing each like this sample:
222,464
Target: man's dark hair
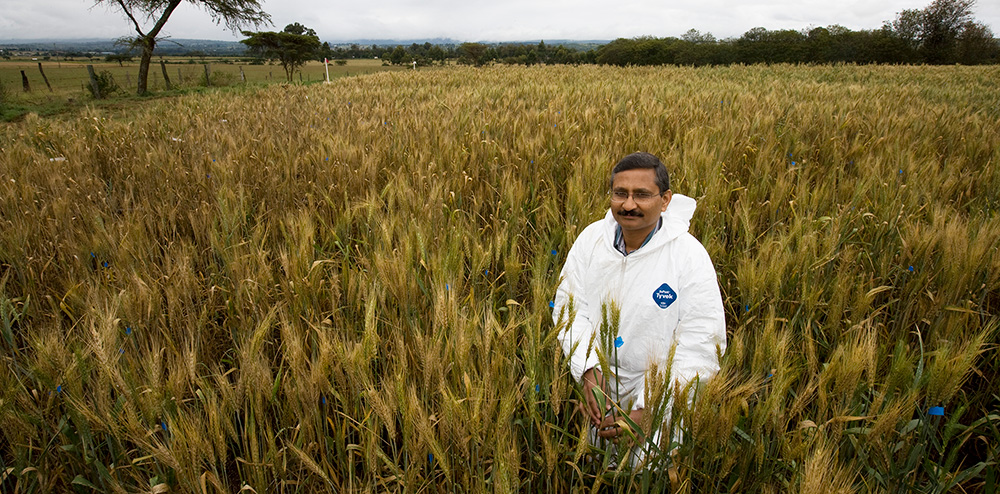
644,160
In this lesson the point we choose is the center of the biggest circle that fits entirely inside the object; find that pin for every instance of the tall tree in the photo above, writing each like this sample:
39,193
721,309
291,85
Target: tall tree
233,13
292,47
976,44
907,27
942,21
945,32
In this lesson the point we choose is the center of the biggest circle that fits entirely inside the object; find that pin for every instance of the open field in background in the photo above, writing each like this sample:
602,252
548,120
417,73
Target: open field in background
346,287
69,80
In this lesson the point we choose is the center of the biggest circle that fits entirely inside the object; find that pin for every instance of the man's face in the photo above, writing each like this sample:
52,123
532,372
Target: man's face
641,209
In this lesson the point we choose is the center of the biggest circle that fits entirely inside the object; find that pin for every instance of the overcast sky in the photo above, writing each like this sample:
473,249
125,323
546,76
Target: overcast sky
477,20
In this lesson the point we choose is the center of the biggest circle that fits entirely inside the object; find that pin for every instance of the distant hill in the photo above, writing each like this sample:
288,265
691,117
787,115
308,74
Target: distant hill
217,48
393,42
164,47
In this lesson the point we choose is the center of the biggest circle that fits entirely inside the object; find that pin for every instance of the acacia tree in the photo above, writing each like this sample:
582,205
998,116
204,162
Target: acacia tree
473,54
233,13
292,47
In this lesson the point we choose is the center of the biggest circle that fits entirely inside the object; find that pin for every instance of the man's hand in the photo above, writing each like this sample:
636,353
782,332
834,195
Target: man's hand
609,428
593,379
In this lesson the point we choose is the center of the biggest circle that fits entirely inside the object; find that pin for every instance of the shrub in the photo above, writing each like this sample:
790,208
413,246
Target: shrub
106,85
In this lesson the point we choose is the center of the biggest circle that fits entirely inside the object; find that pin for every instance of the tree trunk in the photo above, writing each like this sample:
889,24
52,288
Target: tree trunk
148,43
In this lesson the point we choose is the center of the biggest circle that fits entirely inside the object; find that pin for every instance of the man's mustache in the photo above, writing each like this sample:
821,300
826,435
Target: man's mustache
633,212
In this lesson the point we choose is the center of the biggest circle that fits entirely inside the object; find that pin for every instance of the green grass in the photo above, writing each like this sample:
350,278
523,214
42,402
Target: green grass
345,287
69,81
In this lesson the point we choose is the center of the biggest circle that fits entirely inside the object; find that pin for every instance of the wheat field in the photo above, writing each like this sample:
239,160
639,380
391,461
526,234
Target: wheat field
345,287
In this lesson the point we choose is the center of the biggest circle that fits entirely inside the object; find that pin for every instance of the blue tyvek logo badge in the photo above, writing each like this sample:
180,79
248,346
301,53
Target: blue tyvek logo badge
664,296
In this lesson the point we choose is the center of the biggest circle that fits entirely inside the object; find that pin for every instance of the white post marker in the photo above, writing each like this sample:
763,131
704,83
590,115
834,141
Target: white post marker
326,65
414,65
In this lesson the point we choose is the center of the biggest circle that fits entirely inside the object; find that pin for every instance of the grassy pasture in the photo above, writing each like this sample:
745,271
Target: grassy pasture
70,82
345,287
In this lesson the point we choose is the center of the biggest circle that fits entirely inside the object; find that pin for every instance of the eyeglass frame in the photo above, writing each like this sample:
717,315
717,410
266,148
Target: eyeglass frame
637,197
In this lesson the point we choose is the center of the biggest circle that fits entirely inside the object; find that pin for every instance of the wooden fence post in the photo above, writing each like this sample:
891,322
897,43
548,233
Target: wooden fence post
24,82
46,79
243,77
208,76
93,82
166,78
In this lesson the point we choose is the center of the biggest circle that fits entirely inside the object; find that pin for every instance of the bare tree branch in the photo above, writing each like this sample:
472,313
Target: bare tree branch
128,13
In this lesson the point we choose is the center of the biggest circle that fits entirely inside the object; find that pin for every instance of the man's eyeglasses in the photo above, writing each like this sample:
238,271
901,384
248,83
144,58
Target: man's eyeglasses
622,196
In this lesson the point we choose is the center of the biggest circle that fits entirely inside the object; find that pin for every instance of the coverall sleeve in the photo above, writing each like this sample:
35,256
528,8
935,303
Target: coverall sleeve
577,333
702,321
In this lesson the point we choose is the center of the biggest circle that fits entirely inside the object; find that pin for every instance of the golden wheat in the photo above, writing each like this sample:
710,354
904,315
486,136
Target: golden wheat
345,287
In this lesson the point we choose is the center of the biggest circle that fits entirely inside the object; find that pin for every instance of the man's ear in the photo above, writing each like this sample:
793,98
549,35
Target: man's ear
669,194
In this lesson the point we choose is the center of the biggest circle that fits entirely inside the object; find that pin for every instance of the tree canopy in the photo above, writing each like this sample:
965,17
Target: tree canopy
941,25
944,32
292,47
233,13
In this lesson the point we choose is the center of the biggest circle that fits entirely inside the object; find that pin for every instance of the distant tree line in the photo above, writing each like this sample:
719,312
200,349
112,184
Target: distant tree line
523,54
466,53
422,53
944,32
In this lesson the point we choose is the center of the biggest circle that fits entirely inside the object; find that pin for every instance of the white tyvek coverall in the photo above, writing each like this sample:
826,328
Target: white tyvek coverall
687,310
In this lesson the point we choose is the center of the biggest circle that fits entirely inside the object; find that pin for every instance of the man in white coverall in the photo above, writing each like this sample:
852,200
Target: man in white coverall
641,258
